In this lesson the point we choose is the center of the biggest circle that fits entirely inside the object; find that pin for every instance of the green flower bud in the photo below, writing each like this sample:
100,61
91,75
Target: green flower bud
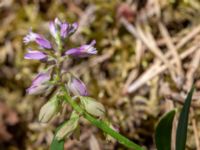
49,110
93,107
68,128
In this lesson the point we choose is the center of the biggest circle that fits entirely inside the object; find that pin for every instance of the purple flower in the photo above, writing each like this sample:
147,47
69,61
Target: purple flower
55,26
56,30
77,87
67,29
83,51
30,37
36,90
53,29
72,28
39,39
39,85
44,43
64,30
35,55
41,78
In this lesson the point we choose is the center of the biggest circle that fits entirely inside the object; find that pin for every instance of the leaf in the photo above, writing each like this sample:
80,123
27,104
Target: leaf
57,145
164,131
181,133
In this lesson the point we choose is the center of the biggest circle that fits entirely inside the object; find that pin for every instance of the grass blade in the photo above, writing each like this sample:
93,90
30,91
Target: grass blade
181,133
164,131
57,145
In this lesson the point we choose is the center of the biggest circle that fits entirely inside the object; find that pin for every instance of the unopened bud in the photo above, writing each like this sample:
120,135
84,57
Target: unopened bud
93,107
77,87
57,21
39,84
68,128
49,110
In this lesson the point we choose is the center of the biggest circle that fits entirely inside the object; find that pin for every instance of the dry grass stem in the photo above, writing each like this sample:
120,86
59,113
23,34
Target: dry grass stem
194,65
155,70
171,47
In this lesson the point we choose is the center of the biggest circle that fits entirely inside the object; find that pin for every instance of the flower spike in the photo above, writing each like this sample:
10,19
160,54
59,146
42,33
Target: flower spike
53,83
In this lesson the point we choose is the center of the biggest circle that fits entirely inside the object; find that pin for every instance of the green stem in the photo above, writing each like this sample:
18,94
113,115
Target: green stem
59,42
100,124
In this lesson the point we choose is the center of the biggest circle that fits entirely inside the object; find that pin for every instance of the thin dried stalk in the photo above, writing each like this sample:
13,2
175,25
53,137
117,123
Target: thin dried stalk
155,70
171,47
179,45
188,37
151,44
192,69
132,76
139,50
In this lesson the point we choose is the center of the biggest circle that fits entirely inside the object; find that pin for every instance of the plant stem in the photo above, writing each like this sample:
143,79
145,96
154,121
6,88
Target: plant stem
100,124
59,42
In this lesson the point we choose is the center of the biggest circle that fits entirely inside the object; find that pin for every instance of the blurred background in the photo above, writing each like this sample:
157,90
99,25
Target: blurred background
148,58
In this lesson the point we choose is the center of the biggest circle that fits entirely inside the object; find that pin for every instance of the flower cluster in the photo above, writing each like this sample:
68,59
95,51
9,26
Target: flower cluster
60,31
51,79
46,52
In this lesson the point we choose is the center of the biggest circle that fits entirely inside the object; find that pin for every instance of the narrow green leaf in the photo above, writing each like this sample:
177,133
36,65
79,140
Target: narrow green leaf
164,131
57,145
181,133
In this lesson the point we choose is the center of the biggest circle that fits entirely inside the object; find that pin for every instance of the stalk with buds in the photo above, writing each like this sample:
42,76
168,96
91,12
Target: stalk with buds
70,90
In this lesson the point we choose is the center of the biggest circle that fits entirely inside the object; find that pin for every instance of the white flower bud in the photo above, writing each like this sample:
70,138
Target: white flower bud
68,128
93,107
49,110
